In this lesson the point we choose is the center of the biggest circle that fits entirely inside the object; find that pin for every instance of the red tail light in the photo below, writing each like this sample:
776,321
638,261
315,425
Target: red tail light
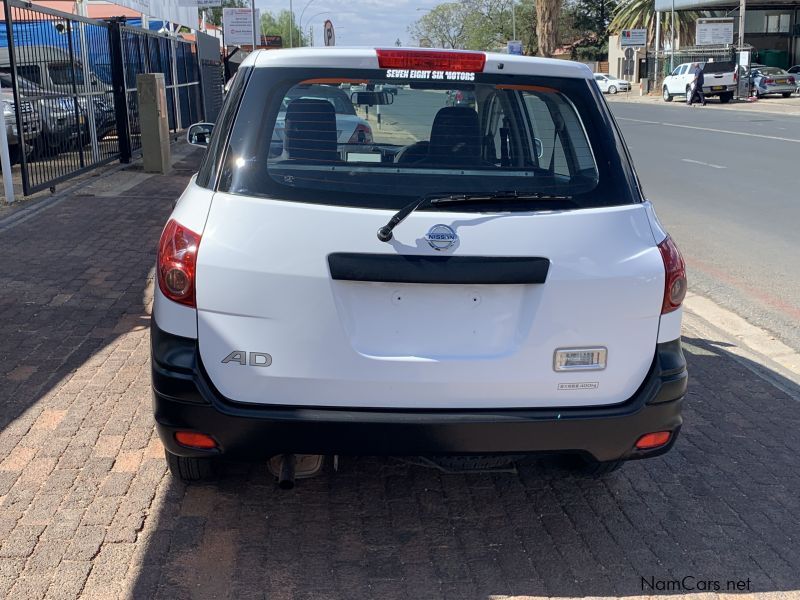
177,253
431,60
195,440
790,80
653,440
459,96
362,135
769,81
675,276
735,76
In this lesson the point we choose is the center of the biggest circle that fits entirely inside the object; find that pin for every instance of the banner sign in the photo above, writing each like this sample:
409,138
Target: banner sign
237,26
201,3
164,10
714,32
633,38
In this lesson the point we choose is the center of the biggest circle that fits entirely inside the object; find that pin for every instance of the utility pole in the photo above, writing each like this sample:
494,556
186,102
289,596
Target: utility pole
742,7
291,25
513,22
255,29
672,43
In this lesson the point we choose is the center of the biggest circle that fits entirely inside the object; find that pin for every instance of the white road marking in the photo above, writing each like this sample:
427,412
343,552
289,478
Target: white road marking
705,164
744,133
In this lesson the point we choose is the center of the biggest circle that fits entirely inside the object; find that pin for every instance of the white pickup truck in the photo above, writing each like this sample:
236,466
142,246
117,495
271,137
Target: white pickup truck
720,79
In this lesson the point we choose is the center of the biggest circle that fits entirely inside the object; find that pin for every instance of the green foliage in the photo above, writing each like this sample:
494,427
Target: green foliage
476,25
281,25
632,14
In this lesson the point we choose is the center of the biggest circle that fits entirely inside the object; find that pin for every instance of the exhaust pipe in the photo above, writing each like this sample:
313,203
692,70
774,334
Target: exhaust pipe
286,477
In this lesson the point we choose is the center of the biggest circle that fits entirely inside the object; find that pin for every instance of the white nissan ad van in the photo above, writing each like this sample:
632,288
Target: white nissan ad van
466,280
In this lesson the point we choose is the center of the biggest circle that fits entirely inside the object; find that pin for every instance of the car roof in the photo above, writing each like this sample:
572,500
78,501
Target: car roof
367,58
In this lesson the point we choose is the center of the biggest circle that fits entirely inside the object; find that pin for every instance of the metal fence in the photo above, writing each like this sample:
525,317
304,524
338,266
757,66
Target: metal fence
660,64
55,73
147,52
70,85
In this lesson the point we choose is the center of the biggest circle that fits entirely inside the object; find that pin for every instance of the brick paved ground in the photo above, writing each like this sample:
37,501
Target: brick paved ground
87,510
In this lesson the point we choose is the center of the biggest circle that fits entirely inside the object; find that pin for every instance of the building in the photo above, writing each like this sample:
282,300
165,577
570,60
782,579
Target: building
772,27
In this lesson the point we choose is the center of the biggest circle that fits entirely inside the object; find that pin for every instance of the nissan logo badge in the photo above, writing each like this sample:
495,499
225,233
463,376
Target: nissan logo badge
441,237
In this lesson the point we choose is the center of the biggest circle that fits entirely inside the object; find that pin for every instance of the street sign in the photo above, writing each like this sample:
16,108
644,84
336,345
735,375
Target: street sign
628,53
328,34
714,32
636,38
514,47
237,26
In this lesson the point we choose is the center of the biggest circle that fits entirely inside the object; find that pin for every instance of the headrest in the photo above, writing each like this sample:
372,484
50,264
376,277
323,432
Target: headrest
310,130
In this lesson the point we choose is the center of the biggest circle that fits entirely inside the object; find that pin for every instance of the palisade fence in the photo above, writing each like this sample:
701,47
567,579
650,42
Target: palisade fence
661,63
70,84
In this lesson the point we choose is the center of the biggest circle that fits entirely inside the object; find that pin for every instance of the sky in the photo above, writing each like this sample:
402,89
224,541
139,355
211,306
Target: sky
356,22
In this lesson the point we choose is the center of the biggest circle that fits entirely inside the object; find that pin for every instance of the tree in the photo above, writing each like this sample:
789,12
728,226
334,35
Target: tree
444,25
633,14
214,15
476,25
281,25
548,13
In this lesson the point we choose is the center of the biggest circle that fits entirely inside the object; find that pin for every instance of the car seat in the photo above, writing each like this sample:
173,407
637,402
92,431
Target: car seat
310,131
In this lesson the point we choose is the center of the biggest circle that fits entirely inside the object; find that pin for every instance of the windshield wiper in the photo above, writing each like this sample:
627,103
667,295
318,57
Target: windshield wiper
385,232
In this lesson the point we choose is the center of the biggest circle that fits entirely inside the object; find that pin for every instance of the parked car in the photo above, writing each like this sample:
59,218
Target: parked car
59,124
460,98
31,123
350,128
611,85
720,79
51,68
795,71
772,80
477,297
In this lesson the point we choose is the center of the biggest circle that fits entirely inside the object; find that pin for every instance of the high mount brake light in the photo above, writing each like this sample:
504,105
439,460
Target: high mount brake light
177,254
431,60
674,276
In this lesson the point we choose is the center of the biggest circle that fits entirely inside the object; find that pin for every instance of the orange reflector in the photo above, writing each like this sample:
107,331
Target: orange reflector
195,440
653,440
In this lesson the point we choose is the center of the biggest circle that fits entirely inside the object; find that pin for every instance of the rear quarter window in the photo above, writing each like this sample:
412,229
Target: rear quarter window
316,136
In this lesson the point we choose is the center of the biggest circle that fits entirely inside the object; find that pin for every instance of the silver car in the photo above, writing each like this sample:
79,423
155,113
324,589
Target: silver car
772,80
795,71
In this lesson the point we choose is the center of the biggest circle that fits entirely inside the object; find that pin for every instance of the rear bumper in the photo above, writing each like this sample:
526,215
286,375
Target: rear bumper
185,400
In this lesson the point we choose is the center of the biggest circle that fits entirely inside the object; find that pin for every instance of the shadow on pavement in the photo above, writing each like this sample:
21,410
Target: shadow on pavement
719,510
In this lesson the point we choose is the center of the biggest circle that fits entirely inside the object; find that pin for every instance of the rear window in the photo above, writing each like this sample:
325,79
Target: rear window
378,142
719,67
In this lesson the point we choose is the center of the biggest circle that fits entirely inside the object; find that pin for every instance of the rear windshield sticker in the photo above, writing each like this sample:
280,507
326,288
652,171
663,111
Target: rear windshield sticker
418,74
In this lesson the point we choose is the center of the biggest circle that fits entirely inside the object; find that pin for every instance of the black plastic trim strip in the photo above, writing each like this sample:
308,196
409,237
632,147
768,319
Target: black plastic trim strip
397,268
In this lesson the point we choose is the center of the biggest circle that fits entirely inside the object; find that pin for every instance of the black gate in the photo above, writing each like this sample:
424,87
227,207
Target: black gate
57,66
71,84
212,74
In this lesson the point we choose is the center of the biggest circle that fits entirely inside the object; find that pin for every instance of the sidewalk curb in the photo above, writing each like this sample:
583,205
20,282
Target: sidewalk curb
750,346
35,206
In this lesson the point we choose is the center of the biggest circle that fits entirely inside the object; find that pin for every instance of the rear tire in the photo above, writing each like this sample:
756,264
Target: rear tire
726,97
189,468
612,89
786,94
666,95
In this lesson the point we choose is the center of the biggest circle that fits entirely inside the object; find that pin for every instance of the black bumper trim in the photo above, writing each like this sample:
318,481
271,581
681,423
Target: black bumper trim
185,399
397,268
